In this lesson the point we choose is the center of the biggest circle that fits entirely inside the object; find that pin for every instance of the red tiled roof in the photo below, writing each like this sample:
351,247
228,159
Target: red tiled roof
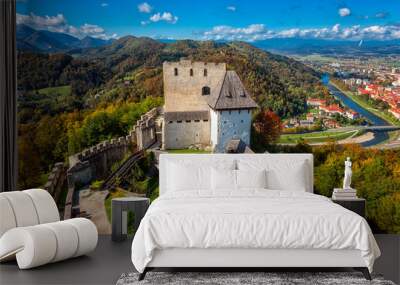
316,100
395,110
332,108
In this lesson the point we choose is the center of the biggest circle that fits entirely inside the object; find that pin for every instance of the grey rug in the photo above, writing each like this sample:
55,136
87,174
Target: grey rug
229,278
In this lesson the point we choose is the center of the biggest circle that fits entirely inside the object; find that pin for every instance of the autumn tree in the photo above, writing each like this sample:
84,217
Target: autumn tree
267,128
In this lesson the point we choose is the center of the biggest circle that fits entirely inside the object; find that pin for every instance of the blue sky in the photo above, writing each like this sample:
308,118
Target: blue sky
218,20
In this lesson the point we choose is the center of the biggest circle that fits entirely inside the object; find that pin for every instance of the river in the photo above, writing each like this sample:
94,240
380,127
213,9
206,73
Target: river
379,136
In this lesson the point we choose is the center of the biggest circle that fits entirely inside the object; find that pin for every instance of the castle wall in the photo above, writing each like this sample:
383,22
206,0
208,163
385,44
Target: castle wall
56,180
233,125
145,129
183,92
96,161
183,134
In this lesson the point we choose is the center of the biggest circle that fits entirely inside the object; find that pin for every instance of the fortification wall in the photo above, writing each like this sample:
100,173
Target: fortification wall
95,162
145,129
183,83
56,180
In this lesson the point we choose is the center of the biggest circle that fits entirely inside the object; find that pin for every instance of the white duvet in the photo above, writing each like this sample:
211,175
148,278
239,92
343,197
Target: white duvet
250,219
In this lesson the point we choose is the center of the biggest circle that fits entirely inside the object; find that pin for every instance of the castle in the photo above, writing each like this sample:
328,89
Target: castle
204,105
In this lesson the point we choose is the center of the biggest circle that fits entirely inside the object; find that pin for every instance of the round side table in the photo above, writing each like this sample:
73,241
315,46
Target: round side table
120,208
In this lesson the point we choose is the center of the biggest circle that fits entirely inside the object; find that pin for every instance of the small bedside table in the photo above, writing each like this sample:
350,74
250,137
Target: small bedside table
357,205
119,208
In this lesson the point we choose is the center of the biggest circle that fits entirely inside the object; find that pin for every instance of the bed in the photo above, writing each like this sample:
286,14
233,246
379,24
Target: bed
246,211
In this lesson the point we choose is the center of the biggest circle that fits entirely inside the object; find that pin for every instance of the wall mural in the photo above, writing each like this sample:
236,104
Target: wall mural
106,87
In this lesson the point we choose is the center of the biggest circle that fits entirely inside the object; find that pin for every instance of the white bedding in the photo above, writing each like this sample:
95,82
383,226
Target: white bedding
251,218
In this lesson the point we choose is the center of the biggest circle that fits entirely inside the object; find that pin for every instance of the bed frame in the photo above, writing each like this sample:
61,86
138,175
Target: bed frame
245,258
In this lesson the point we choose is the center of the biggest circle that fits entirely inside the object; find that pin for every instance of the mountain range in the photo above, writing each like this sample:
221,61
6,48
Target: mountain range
329,47
29,39
275,82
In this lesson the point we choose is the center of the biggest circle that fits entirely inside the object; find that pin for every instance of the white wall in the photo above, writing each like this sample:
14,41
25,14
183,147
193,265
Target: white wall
233,125
214,116
183,134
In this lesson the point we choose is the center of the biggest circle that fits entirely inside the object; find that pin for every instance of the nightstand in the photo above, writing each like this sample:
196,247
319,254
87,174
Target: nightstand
120,208
357,205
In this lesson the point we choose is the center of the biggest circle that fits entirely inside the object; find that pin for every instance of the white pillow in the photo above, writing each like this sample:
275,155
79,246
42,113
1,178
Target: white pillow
223,179
186,174
283,174
293,178
251,179
182,177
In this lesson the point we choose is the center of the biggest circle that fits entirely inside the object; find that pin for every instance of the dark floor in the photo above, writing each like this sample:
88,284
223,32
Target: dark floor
103,266
110,260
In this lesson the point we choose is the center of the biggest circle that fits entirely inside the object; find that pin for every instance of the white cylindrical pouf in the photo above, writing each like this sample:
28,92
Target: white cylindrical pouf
23,208
7,218
67,240
45,206
87,234
34,246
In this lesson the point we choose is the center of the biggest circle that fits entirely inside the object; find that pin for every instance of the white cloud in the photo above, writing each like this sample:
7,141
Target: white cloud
144,23
344,12
59,24
166,16
336,28
104,4
231,8
257,32
41,22
250,33
145,8
91,29
382,15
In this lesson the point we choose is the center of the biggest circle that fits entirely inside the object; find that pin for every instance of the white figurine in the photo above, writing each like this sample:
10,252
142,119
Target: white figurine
347,174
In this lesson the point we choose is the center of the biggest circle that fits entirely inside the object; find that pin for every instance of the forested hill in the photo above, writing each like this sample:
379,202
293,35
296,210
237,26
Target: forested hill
71,101
276,82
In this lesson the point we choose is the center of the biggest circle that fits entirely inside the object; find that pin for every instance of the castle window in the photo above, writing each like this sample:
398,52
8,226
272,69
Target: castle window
205,72
176,71
205,90
179,121
170,122
205,120
191,72
188,121
197,121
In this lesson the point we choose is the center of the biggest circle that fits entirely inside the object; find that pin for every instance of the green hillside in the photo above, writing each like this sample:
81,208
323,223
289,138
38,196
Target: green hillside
69,102
60,90
276,82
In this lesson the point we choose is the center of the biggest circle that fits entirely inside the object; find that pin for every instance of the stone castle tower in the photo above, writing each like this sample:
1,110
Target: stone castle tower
204,105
